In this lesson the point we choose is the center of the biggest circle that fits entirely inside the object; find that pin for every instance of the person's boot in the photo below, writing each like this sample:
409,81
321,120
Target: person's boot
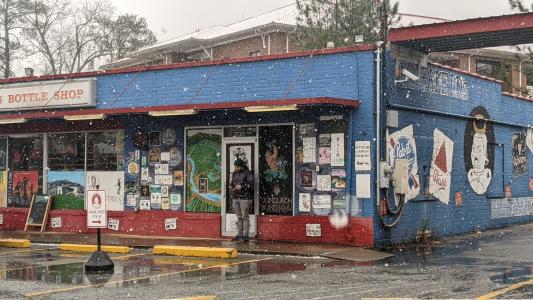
245,238
237,238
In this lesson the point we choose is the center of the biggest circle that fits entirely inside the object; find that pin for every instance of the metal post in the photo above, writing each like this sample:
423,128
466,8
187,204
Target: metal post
98,239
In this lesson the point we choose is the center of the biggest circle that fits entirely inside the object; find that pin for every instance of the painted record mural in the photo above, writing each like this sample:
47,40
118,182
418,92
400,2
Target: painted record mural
479,150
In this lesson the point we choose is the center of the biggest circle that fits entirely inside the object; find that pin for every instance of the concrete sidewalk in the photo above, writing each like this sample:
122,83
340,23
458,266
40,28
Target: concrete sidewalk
252,247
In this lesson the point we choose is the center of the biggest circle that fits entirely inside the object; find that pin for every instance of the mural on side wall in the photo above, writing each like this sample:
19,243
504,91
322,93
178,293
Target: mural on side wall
441,167
529,139
204,173
402,145
519,154
479,150
67,189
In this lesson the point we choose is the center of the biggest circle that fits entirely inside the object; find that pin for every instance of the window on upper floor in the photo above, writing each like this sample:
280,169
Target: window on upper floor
487,67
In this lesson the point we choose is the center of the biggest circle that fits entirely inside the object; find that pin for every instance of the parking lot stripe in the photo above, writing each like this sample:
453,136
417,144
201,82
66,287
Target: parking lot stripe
506,290
37,294
24,251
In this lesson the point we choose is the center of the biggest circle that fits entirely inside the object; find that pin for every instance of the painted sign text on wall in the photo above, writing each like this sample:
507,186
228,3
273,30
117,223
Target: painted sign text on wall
69,93
436,81
513,207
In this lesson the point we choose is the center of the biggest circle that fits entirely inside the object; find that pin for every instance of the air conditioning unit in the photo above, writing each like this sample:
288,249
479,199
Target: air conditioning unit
530,91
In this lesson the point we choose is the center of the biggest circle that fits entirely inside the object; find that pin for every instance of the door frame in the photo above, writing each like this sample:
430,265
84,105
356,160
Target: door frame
255,168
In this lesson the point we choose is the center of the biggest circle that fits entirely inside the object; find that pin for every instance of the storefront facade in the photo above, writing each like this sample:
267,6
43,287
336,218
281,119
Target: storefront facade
162,140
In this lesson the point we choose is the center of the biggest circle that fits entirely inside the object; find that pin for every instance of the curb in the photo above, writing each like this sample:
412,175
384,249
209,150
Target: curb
92,248
195,251
15,243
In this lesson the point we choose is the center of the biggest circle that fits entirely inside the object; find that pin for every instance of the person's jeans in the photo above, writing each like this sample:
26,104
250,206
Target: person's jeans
241,207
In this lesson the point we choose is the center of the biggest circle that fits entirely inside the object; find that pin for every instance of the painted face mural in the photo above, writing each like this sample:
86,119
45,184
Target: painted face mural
479,150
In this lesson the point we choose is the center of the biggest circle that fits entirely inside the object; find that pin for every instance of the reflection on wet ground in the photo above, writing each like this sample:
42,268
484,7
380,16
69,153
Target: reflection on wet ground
53,266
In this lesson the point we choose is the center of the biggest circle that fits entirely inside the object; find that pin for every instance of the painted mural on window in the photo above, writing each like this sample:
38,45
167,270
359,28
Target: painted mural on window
402,145
275,166
519,154
479,150
440,176
204,174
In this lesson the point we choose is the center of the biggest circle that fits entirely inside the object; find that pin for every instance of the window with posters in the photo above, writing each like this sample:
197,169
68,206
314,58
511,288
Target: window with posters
105,151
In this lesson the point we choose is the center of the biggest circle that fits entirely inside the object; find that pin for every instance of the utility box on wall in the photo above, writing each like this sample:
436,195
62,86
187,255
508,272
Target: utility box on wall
400,176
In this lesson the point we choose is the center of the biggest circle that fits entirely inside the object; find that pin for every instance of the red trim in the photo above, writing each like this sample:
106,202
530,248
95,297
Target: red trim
517,96
326,51
204,106
466,72
462,27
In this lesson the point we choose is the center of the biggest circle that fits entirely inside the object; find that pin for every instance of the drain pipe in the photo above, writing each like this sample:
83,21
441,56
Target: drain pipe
378,52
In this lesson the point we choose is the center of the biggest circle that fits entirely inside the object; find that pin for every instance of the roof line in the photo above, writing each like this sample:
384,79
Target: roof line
324,51
353,103
425,17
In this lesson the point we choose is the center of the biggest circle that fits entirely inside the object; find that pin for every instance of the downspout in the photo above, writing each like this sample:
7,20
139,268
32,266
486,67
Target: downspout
378,52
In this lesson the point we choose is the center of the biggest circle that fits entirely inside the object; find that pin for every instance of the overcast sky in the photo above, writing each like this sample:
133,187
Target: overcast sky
172,18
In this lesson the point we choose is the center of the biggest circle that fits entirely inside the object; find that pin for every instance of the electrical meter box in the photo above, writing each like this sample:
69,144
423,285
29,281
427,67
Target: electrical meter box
400,176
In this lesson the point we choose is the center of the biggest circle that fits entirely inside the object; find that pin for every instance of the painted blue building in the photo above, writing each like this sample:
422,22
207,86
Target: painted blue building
161,140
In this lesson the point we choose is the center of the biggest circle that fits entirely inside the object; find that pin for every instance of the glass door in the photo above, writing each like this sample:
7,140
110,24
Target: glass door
246,150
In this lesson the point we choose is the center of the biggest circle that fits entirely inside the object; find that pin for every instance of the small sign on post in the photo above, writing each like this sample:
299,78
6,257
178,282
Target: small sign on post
97,218
96,211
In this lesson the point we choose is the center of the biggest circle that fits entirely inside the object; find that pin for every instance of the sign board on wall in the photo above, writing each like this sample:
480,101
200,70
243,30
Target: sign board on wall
55,222
96,209
362,156
56,93
313,229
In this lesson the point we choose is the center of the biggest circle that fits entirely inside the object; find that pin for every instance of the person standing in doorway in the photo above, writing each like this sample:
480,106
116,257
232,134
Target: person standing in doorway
242,193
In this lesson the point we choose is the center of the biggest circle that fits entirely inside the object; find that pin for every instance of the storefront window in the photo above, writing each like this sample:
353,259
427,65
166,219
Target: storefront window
66,151
105,151
25,165
204,173
321,166
275,167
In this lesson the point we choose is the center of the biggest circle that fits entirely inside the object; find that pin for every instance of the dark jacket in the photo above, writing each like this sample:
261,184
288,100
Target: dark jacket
245,178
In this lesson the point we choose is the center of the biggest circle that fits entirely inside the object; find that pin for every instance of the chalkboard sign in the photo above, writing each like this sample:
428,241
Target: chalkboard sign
38,212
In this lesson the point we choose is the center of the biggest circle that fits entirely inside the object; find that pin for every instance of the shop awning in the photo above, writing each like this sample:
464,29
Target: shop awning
182,109
466,34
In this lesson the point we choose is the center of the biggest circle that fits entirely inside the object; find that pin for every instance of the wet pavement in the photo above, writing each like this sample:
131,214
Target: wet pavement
461,267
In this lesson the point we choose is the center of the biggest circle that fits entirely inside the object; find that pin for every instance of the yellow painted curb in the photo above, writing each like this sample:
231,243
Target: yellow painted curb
15,243
195,251
92,248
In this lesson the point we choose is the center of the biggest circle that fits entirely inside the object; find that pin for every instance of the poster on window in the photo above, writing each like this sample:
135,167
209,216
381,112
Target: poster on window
529,139
112,182
440,174
519,154
203,161
25,185
3,188
337,149
275,167
67,188
401,145
304,202
309,149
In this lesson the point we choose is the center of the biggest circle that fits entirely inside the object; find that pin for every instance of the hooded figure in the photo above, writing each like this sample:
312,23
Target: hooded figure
242,193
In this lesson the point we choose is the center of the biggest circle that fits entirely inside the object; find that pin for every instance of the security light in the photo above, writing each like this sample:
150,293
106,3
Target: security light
410,75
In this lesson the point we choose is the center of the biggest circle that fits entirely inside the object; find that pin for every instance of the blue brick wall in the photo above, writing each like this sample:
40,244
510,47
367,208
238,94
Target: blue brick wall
333,75
348,75
444,112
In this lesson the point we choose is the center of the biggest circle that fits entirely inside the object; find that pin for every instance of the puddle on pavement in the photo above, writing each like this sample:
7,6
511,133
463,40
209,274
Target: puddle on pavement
513,274
139,269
